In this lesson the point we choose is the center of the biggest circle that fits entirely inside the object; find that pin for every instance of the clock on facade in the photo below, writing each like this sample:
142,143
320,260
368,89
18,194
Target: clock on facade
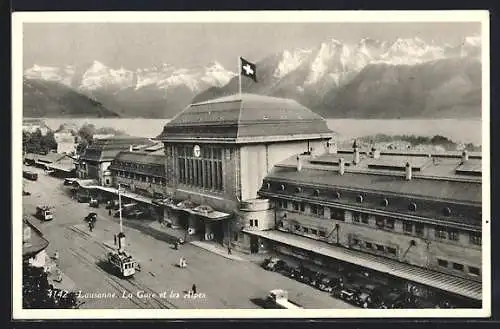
197,151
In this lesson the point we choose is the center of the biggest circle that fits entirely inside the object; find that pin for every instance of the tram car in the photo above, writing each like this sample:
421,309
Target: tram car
122,263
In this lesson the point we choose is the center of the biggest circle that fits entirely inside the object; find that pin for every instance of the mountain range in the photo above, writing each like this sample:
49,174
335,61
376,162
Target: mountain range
367,79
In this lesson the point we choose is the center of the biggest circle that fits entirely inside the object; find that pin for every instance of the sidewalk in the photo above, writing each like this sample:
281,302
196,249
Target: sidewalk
66,283
218,249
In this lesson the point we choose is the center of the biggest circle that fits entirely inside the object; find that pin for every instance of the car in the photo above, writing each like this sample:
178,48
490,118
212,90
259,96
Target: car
136,214
317,279
348,295
395,299
273,264
94,203
328,283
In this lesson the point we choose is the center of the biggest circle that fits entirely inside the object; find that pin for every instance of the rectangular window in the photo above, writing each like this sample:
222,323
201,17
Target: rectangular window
364,218
442,263
407,227
380,247
322,234
419,229
337,214
305,230
453,235
368,245
391,250
458,267
256,222
302,207
356,217
314,209
297,227
389,223
296,206
379,221
440,232
475,238
314,232
284,204
473,270
321,211
251,222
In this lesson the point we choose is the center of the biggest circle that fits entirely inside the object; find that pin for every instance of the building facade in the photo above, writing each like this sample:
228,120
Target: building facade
396,213
218,152
94,162
66,142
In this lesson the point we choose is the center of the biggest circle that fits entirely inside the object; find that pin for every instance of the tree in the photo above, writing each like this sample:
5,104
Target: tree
87,132
39,294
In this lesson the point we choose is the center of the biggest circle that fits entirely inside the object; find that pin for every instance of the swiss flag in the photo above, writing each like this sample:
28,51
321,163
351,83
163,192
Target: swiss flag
248,69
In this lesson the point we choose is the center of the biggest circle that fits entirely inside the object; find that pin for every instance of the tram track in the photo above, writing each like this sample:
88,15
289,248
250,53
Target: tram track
128,287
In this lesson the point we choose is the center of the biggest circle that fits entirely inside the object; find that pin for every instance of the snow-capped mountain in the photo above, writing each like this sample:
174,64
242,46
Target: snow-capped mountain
317,77
314,76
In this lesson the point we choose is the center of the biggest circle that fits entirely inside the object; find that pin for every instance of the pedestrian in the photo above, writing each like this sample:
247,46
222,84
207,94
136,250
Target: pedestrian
115,239
193,288
229,250
109,212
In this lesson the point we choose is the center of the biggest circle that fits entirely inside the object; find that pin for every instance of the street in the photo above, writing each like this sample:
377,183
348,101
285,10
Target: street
220,282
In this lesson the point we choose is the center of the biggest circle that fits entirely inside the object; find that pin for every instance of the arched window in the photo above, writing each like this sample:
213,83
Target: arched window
282,187
359,198
412,206
316,193
268,186
298,189
385,202
337,195
447,211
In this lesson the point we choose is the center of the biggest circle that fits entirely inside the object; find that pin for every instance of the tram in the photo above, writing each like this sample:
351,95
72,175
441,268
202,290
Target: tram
122,263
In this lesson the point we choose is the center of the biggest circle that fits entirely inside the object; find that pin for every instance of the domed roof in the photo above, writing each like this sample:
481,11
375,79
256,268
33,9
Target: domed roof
245,118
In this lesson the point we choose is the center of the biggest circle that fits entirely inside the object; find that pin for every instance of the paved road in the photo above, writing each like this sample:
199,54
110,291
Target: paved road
221,282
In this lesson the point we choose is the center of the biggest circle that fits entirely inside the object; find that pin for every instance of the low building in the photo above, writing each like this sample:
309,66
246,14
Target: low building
94,162
141,177
66,142
31,125
218,152
34,245
415,217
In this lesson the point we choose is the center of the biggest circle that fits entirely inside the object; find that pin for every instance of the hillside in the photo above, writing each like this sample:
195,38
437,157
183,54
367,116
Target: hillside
53,99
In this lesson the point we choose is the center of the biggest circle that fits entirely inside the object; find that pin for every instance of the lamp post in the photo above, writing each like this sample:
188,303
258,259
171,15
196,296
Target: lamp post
120,207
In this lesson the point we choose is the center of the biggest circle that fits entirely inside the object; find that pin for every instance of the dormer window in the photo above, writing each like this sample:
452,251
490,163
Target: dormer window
282,187
359,198
298,189
385,202
337,195
412,206
316,193
447,211
268,186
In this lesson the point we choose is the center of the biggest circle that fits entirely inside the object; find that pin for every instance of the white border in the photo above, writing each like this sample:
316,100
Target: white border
480,16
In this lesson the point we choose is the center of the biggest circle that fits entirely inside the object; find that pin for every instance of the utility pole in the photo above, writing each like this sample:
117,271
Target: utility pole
120,209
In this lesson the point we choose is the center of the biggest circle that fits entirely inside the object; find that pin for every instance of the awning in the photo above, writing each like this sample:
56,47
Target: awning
86,183
127,194
453,284
199,211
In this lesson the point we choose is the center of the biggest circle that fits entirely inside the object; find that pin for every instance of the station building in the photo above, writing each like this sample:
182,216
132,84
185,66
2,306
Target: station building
218,152
416,217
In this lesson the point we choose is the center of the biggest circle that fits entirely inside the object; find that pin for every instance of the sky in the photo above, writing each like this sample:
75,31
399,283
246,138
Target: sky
136,45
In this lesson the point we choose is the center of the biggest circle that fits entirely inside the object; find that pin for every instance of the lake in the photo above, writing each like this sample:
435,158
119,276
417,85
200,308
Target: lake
458,130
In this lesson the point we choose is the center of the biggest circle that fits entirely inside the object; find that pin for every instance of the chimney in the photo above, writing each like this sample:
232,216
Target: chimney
465,155
299,163
356,156
408,171
332,147
341,166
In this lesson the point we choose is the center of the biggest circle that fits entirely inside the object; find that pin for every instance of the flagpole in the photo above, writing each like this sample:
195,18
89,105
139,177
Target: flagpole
239,75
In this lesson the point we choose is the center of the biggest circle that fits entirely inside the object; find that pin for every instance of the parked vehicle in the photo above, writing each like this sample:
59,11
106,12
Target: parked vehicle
44,213
68,181
395,299
136,213
94,203
348,295
30,175
80,197
273,264
278,298
328,284
317,279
